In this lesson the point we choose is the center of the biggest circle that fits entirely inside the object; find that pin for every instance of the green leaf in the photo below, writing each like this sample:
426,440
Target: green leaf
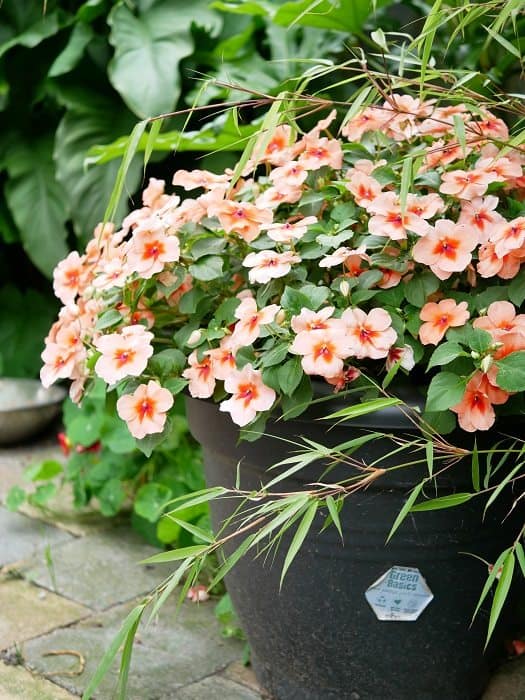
516,289
150,500
520,555
193,499
299,401
89,189
111,497
37,201
129,624
362,409
476,484
107,319
85,429
300,535
207,268
333,510
275,356
405,510
294,301
342,16
151,45
42,471
16,497
503,483
420,287
45,25
445,390
42,494
176,554
475,339
290,375
454,499
501,593
196,531
445,353
169,361
511,372
71,54
21,333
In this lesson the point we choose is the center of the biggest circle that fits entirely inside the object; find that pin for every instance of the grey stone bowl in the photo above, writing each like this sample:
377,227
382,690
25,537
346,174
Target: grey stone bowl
26,407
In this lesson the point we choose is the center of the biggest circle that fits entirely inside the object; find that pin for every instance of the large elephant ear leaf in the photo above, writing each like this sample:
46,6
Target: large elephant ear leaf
37,201
89,188
148,49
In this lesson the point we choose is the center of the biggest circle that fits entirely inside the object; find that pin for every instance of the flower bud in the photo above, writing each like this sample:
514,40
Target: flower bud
475,355
280,317
486,363
344,288
194,338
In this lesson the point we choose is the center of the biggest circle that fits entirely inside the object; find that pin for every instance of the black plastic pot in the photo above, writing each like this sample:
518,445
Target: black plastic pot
317,638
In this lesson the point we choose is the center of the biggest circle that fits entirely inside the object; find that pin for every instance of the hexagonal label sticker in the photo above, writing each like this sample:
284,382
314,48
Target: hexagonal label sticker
401,595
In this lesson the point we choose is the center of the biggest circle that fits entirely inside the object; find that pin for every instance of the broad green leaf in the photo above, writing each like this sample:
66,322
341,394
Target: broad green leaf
37,201
150,500
44,25
73,51
341,15
42,471
42,494
445,353
16,497
89,189
511,372
454,499
516,289
207,268
445,390
300,535
111,497
420,287
290,375
21,334
151,45
299,401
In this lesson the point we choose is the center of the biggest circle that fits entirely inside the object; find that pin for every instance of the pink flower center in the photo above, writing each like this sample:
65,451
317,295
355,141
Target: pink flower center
153,250
145,409
324,351
247,392
122,357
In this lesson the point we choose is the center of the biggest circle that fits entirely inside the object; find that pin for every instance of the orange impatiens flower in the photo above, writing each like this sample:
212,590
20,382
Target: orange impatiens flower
439,318
241,218
447,248
145,410
475,410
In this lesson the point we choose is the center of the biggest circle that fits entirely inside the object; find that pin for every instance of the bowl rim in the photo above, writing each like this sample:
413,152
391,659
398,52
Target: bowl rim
59,393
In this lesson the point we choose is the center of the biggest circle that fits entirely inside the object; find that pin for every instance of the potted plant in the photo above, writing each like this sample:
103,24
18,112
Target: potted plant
377,259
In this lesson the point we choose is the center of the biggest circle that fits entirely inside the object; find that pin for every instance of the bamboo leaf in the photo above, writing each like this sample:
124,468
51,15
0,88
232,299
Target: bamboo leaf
131,149
288,512
193,499
300,535
454,499
362,409
334,514
405,510
154,132
502,484
490,579
475,467
129,624
501,593
193,529
173,582
230,561
176,554
520,555
406,182
429,451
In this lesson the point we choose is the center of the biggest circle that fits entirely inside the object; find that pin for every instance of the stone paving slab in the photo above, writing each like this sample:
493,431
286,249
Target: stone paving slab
215,688
24,537
172,653
28,611
508,683
100,570
16,683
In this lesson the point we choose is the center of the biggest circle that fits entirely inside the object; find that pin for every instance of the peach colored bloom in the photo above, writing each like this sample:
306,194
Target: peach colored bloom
465,184
490,264
124,354
112,273
200,375
249,395
389,221
370,335
364,187
153,196
248,327
490,126
319,152
508,236
501,319
191,179
439,318
441,120
145,409
150,249
475,411
69,277
289,231
242,218
370,119
348,375
425,206
341,256
446,248
441,153
271,197
500,169
267,264
289,177
390,278
59,363
323,350
279,150
309,320
223,358
480,213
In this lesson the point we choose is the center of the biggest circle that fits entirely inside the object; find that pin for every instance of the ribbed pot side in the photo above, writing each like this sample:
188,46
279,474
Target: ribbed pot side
317,638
